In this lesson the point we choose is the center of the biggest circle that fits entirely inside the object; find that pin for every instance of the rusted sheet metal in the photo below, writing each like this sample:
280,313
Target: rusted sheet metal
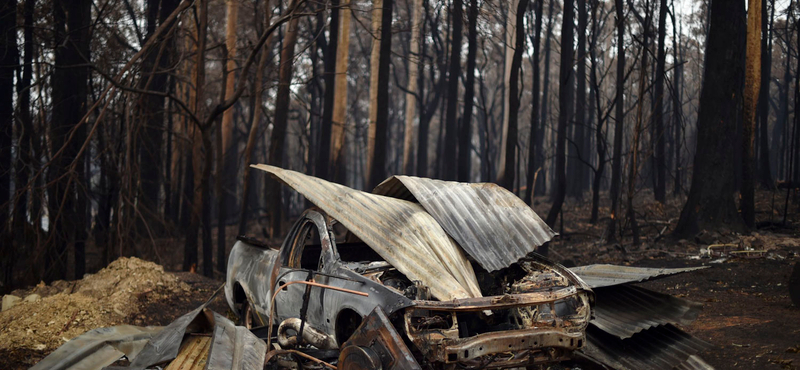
400,231
625,310
601,275
235,347
231,347
497,302
165,345
376,345
492,224
98,348
659,348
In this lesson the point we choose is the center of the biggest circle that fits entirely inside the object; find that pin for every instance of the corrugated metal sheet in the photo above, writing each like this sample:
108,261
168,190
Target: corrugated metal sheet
606,275
398,230
229,348
492,224
625,310
660,348
98,348
235,347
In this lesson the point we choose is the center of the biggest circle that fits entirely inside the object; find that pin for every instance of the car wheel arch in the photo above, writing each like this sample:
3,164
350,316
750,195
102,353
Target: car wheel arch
347,321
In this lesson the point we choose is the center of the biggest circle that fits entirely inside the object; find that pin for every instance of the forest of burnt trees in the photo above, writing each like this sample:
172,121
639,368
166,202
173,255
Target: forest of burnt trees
128,125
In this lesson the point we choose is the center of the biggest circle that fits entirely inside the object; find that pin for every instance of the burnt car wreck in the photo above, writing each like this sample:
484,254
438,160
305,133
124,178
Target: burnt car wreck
420,273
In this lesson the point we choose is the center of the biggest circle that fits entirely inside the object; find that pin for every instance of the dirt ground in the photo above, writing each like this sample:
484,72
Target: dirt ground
748,316
128,291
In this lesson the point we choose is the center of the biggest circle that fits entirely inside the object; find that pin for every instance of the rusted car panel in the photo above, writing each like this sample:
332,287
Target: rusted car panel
492,224
377,345
400,231
256,272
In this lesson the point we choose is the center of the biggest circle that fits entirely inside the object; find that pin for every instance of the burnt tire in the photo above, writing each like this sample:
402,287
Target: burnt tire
247,316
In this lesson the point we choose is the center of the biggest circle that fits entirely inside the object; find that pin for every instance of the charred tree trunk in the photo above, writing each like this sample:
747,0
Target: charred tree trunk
541,182
751,95
378,172
536,129
450,155
619,118
677,109
764,170
278,137
507,181
254,124
566,98
338,132
660,189
156,78
374,67
711,202
197,173
465,132
577,182
9,59
72,20
330,89
600,135
414,64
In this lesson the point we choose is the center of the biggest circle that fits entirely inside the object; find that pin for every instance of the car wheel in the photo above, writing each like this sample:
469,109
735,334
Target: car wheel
248,317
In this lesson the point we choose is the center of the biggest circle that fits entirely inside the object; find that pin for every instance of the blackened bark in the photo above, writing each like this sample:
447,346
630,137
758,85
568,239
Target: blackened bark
565,104
465,132
660,189
327,109
677,110
536,129
619,118
600,135
513,99
577,182
9,58
541,182
278,136
26,141
450,155
198,134
764,170
711,202
378,172
155,77
71,20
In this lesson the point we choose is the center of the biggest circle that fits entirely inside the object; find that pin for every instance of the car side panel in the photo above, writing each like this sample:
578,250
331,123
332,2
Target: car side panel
251,267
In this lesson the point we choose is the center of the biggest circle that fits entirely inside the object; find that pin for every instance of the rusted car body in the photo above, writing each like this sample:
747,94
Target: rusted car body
449,265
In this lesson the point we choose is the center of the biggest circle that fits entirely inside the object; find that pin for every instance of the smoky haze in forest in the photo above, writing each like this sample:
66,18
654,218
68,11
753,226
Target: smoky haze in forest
129,125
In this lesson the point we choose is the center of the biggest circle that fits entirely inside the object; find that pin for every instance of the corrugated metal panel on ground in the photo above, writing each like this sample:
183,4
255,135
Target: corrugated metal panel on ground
492,224
229,347
626,310
98,348
399,231
605,275
659,348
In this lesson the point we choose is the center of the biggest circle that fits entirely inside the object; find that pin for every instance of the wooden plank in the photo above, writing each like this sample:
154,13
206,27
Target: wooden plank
193,354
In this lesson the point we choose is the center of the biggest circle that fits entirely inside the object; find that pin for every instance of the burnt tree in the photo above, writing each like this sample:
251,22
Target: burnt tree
711,202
